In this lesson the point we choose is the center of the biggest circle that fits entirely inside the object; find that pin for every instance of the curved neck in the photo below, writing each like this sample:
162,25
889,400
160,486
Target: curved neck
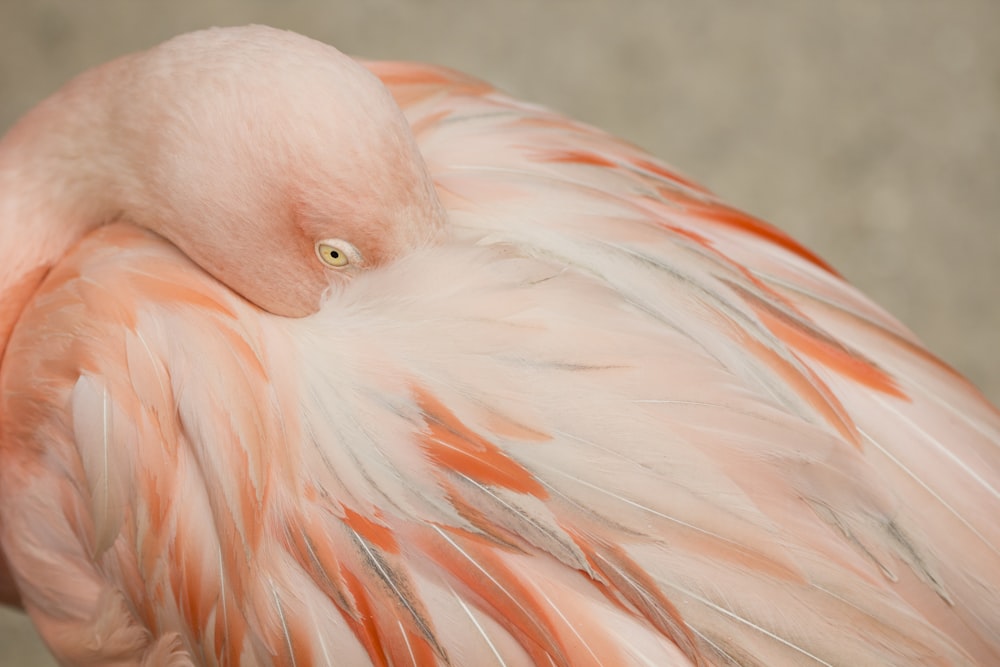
54,186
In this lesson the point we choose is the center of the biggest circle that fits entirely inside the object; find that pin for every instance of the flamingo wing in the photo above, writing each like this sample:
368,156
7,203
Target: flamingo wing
611,421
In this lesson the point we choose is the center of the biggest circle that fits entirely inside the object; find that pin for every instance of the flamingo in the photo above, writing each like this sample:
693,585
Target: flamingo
293,377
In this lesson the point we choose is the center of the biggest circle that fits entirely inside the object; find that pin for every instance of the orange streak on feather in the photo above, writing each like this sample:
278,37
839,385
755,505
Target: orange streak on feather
385,635
230,631
892,339
377,534
310,542
452,445
300,636
363,625
825,350
807,386
408,74
234,559
717,212
813,343
690,235
390,631
188,582
413,648
577,157
251,498
594,159
710,211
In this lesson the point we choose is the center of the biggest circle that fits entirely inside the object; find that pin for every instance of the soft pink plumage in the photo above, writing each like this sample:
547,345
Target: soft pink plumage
604,419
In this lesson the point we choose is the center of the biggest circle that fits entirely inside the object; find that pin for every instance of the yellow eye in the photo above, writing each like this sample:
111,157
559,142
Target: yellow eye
336,253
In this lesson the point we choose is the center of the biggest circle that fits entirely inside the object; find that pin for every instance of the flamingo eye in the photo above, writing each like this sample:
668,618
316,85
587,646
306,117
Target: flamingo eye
337,253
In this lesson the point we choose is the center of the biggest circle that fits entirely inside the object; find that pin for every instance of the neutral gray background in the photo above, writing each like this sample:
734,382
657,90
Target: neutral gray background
869,129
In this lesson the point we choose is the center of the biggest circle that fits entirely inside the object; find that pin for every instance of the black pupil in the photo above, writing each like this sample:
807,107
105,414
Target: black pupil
334,254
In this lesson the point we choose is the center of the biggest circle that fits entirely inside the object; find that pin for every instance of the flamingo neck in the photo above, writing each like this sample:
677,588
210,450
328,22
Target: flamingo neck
55,187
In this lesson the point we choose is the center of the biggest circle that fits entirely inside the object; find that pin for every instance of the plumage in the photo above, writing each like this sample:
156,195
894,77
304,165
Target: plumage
602,419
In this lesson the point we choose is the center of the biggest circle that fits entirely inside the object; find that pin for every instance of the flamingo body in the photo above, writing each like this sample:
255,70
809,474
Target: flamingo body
604,420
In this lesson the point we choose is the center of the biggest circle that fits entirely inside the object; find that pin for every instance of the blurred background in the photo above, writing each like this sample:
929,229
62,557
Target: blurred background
868,129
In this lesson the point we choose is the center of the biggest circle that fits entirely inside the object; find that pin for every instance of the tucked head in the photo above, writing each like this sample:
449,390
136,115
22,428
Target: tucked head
275,162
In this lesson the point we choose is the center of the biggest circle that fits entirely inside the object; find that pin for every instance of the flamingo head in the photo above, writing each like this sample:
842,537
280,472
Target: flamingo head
278,164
